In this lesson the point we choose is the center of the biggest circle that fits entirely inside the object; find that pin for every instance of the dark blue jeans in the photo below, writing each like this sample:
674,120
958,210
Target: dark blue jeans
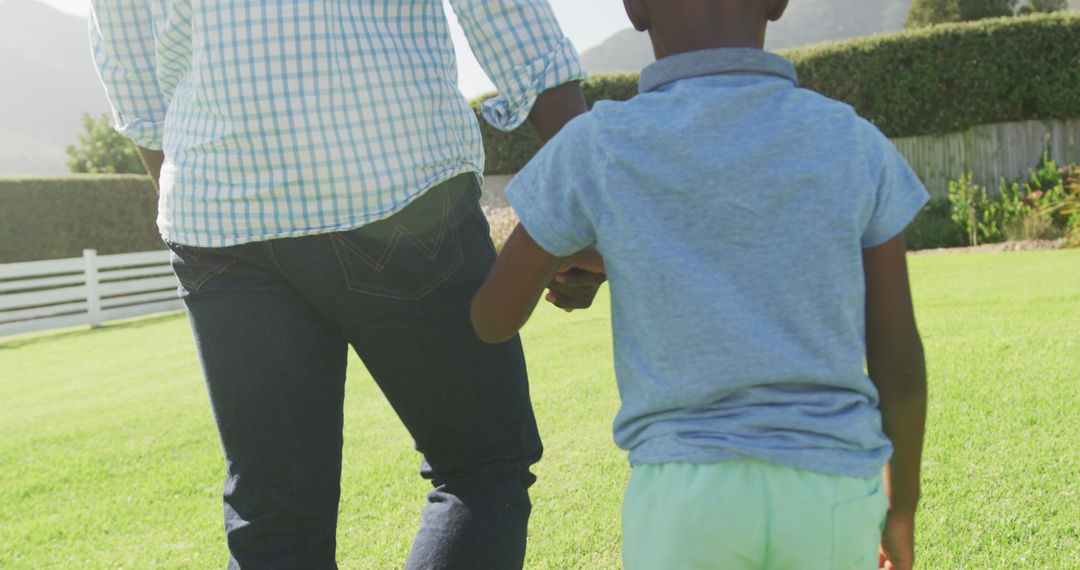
273,322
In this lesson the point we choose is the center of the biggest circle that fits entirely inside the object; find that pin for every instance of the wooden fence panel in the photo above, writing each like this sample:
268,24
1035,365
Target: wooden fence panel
990,152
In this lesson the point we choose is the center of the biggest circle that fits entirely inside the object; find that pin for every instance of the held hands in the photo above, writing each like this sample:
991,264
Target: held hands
897,542
577,280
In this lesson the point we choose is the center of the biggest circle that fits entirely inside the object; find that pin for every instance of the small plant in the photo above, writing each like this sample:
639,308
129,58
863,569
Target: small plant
1019,220
970,206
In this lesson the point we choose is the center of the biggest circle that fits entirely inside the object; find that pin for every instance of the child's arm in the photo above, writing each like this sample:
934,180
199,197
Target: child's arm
512,289
896,366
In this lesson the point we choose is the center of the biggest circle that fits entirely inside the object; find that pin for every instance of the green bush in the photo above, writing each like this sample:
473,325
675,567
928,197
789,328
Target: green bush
58,217
934,228
1043,207
929,81
973,211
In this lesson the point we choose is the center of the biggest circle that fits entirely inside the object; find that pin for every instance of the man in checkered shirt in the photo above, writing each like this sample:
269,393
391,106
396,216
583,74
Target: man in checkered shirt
319,176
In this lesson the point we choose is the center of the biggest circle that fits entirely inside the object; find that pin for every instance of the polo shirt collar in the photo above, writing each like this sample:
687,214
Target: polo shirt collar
714,62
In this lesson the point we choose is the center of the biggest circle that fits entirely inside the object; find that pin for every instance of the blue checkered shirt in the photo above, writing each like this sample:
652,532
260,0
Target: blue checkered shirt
289,118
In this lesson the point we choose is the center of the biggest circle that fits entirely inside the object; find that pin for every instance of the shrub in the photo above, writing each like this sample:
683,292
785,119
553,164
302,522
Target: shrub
971,210
1043,207
929,81
51,218
1018,221
1072,231
1072,206
934,228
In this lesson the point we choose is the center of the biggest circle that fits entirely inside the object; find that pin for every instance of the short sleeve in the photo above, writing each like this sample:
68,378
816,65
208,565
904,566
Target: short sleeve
551,195
899,195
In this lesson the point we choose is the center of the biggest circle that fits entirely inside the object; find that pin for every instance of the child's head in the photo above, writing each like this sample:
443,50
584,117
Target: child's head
677,26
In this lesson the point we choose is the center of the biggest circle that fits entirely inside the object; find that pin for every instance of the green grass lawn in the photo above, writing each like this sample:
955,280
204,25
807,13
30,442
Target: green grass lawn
109,457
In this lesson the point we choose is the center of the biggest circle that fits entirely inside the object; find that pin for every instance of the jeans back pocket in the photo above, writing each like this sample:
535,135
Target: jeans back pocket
407,255
195,266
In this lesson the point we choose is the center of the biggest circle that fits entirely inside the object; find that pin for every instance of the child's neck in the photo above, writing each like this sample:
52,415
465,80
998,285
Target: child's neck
681,34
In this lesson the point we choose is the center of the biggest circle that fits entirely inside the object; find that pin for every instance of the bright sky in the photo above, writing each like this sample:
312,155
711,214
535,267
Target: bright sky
586,22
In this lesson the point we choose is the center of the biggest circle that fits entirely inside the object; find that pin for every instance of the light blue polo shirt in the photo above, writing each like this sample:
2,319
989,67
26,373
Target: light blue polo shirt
732,208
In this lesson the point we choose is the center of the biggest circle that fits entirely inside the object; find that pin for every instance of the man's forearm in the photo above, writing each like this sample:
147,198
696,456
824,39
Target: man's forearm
556,107
152,161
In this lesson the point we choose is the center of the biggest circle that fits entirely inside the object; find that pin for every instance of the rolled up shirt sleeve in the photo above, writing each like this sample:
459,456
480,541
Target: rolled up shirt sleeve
524,52
122,40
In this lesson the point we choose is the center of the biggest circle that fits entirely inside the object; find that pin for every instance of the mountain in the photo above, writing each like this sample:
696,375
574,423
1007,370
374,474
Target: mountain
628,50
47,81
816,21
806,22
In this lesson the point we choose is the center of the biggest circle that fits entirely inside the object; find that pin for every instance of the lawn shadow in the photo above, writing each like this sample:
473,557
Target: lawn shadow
49,336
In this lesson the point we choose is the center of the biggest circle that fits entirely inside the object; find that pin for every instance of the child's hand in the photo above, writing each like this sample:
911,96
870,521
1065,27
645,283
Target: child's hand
897,542
577,280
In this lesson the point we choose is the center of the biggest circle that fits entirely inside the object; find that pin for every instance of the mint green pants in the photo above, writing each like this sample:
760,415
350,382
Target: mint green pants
749,514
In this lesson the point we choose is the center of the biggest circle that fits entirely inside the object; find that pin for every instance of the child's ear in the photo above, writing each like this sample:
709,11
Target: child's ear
639,15
776,9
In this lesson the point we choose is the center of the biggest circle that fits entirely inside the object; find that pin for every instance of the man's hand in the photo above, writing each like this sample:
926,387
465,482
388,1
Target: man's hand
577,280
897,542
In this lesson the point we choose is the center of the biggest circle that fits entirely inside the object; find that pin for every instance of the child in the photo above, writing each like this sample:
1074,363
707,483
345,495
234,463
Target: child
751,231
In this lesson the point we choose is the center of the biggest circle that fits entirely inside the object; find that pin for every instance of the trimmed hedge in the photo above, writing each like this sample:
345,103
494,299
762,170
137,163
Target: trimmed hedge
58,217
949,78
930,81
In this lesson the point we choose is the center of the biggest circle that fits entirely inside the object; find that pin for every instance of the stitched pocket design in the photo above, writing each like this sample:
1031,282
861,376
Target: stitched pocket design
406,256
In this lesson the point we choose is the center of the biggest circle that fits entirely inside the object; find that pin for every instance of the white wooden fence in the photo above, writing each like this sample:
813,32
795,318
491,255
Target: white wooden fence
87,290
